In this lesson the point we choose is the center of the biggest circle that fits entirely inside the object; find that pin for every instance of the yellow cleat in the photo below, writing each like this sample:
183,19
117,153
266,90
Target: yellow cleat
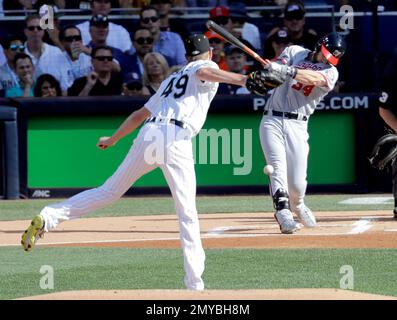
31,234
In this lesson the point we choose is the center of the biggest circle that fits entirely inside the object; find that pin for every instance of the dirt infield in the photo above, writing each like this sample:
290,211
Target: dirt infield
275,294
363,229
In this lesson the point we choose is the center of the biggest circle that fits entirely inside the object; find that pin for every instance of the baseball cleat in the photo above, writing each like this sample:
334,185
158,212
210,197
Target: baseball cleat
286,221
306,217
31,234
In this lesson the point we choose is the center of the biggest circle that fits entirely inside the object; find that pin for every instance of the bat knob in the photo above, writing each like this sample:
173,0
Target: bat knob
209,24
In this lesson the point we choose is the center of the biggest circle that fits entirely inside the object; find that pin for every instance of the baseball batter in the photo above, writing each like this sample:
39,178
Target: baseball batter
174,115
307,76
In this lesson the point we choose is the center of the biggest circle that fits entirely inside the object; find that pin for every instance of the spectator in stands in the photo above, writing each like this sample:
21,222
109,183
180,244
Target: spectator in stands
176,25
169,44
51,35
135,88
12,45
118,36
99,31
221,16
46,58
156,69
218,45
242,28
294,22
236,61
3,59
77,59
24,70
47,86
279,41
100,82
133,4
24,5
143,44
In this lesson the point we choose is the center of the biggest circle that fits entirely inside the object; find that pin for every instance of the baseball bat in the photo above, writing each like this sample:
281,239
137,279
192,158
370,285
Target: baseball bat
234,41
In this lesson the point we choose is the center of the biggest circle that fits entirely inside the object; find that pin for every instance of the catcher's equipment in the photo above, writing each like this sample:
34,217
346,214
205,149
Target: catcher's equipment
384,152
261,81
332,46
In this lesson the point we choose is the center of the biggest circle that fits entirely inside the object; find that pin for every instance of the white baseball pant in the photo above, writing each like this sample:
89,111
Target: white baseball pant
285,146
157,145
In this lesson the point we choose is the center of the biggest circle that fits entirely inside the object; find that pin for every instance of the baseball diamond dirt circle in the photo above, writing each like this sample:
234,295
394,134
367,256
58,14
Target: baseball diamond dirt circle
364,229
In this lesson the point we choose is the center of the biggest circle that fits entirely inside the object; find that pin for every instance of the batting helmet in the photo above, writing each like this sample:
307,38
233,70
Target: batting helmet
332,46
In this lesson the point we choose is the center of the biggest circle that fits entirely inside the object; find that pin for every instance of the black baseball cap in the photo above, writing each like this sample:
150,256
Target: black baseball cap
281,36
294,10
196,44
99,20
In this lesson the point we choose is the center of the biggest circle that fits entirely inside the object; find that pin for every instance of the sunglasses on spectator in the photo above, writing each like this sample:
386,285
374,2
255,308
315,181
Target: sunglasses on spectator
72,38
148,19
104,58
32,28
105,1
221,20
16,47
143,40
215,40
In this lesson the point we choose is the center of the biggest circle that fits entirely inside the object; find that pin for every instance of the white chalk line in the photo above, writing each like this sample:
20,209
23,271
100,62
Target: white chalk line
360,226
168,239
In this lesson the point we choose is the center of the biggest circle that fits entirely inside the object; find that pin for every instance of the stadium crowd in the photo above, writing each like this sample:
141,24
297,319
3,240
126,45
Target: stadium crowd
101,57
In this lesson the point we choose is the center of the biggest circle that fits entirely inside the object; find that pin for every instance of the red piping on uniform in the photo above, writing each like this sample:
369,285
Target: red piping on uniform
328,55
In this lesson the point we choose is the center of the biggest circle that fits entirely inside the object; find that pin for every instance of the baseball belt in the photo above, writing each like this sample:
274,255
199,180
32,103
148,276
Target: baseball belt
288,115
165,120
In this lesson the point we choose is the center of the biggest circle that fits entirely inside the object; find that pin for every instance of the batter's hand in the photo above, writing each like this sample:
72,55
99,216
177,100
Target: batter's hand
104,143
280,71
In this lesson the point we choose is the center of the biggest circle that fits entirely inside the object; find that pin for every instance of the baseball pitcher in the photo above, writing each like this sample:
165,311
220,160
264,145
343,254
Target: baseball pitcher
174,115
300,79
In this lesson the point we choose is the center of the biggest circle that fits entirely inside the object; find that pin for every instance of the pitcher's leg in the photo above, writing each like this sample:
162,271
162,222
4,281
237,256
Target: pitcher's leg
181,178
131,169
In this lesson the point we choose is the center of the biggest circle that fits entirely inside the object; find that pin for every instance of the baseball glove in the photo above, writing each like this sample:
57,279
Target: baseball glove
261,81
384,152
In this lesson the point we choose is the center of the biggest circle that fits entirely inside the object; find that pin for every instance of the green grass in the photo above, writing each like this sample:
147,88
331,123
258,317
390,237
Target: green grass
25,209
106,268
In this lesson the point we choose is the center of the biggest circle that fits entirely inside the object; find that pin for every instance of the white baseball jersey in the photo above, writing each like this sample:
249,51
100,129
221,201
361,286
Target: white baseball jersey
284,140
191,98
184,97
301,99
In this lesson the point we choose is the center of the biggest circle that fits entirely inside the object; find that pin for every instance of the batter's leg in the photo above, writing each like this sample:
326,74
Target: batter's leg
273,145
131,169
297,155
181,178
